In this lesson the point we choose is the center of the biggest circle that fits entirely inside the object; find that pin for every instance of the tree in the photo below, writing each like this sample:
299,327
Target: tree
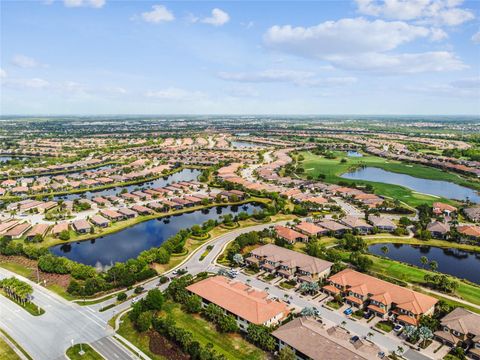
433,265
122,296
424,260
227,323
424,334
238,259
384,250
193,304
308,311
260,336
154,300
286,353
144,321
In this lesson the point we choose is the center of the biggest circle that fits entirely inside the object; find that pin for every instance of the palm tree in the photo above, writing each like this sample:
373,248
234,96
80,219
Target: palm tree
343,324
400,349
424,260
384,250
433,265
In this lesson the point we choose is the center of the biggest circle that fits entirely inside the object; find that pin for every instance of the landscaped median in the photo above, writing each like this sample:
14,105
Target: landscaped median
83,352
20,293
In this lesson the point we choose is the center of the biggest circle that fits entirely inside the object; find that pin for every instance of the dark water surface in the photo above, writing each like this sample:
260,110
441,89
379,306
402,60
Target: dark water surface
459,263
130,242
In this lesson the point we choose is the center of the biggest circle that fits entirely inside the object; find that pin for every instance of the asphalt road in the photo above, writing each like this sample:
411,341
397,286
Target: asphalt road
48,336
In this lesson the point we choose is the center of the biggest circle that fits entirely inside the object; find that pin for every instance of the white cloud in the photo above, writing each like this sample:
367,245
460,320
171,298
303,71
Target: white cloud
33,83
271,75
434,61
468,87
301,78
218,18
84,3
25,61
159,13
175,94
3,74
243,92
360,44
476,37
439,12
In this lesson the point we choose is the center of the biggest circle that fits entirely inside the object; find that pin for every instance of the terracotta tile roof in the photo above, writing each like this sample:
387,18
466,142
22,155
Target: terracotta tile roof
289,234
310,228
239,299
385,292
469,230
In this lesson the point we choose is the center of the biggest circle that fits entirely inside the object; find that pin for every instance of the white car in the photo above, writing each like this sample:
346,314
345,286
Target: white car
134,300
398,328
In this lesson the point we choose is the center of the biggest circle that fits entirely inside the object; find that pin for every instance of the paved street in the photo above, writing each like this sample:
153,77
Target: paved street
47,337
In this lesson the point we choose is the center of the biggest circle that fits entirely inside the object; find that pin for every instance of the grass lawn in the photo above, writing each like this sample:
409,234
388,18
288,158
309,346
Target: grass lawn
90,353
394,269
385,325
287,285
333,169
233,346
6,352
17,269
334,304
30,307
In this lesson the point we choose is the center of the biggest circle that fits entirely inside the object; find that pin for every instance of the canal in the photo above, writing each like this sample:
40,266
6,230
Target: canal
130,242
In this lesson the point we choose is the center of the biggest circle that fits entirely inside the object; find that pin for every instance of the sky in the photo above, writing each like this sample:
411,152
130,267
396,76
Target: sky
69,57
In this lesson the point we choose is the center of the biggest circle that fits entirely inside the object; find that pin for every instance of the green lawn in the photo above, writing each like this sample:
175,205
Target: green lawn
6,352
333,169
386,326
30,307
394,269
233,346
17,268
90,353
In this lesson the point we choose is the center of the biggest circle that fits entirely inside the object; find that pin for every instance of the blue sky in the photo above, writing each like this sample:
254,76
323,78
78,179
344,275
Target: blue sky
180,57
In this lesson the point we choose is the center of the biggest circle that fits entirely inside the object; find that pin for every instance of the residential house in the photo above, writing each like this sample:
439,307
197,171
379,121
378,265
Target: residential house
127,213
461,327
81,226
440,208
37,230
334,227
473,213
112,214
310,229
58,228
99,221
142,210
358,224
18,231
288,263
310,341
247,305
382,223
289,235
469,232
380,297
439,230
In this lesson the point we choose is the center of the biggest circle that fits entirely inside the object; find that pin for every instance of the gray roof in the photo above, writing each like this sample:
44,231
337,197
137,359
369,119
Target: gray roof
306,336
463,321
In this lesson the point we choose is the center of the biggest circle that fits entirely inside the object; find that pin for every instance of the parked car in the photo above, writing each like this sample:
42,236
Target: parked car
348,311
367,315
398,328
381,354
354,339
134,300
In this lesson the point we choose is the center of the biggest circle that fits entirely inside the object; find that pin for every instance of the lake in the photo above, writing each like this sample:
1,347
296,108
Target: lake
130,242
459,263
183,175
433,187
